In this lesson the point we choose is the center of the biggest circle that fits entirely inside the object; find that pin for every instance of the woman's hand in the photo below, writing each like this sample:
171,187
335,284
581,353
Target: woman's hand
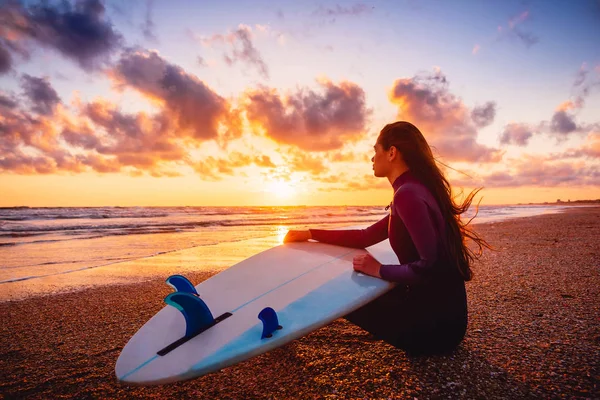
297,236
367,265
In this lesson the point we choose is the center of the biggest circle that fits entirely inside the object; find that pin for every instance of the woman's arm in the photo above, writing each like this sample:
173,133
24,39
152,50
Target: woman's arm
356,238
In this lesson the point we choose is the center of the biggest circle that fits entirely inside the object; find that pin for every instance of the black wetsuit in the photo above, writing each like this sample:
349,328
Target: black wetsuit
427,311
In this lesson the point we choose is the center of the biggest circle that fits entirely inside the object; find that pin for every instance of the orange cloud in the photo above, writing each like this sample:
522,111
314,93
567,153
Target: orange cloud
589,149
311,120
193,109
306,162
19,127
212,168
445,121
342,182
518,134
565,106
538,171
137,140
348,157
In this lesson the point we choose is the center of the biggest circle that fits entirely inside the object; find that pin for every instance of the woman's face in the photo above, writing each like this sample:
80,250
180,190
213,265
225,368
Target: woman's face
381,161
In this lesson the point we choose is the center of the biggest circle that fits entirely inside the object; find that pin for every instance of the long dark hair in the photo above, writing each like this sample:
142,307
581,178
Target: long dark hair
415,151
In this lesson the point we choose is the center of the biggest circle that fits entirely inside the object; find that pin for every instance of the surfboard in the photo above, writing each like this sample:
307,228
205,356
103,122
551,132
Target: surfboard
250,308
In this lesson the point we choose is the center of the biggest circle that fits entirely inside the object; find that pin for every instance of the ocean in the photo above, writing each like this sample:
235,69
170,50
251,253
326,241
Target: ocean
47,250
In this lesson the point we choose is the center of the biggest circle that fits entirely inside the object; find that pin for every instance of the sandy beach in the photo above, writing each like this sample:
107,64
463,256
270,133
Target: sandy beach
534,332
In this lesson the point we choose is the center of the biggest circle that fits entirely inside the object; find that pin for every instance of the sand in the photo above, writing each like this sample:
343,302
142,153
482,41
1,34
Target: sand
534,332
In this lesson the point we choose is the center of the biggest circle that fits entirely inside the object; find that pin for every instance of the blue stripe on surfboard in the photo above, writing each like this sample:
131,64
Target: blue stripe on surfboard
245,304
327,302
139,367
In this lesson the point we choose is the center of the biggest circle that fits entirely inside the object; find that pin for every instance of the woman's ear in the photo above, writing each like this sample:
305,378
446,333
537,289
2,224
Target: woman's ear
393,153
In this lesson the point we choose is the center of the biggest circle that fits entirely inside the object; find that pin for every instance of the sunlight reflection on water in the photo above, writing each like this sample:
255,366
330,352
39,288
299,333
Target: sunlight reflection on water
281,231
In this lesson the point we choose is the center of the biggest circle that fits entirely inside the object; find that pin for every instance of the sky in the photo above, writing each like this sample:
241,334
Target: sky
250,103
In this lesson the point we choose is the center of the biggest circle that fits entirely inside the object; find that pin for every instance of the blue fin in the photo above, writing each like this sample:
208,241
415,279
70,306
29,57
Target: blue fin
268,316
181,284
195,311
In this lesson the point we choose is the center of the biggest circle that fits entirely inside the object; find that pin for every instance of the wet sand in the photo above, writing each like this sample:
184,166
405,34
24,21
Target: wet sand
534,332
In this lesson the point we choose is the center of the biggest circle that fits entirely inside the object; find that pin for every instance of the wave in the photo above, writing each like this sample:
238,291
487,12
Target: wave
46,217
85,232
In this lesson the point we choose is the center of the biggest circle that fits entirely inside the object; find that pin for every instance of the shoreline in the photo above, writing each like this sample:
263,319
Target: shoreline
534,307
165,263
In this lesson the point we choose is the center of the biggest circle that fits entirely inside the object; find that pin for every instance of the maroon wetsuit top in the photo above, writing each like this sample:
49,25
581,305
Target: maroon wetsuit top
415,228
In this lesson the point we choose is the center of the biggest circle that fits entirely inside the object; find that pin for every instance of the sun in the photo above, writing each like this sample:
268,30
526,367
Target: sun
281,189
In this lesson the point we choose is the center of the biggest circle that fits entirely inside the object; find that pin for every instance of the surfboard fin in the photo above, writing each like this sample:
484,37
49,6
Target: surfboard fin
181,284
268,316
195,311
198,317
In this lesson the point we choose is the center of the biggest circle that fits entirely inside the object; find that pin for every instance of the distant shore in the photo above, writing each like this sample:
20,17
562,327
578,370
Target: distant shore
534,307
564,203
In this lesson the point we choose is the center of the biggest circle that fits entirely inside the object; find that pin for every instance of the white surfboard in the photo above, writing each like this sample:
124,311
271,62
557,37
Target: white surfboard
307,284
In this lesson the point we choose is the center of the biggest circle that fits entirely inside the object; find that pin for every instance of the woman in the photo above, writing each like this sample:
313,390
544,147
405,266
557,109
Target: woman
427,312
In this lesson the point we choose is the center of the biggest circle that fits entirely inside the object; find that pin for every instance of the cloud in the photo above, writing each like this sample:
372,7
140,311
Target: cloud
584,84
5,60
101,164
306,162
367,182
213,168
589,149
18,127
581,75
243,48
484,115
446,122
7,102
114,140
539,171
136,140
191,106
514,30
98,136
476,49
148,24
42,96
82,138
343,182
80,31
347,157
24,164
247,53
311,120
338,10
561,126
518,134
562,123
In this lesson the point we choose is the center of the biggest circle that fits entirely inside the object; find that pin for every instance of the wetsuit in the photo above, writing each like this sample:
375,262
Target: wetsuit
427,311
